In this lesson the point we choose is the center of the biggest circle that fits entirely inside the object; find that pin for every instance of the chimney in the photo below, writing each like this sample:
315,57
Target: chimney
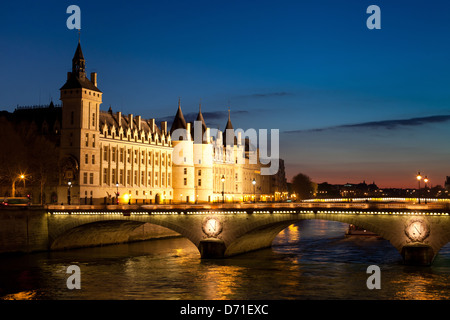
188,131
94,78
208,135
152,125
119,118
130,121
220,137
68,75
139,122
164,127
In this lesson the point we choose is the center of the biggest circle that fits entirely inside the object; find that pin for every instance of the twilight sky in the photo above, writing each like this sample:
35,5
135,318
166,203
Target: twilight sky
351,104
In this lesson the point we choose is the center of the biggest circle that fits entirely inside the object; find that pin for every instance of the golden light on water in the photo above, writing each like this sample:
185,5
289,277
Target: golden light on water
420,287
221,281
24,295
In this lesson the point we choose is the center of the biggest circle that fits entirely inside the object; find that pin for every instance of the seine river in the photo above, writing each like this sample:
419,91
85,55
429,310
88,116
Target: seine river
309,260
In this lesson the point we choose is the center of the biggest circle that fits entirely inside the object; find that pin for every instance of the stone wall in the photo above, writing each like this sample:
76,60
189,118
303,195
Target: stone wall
23,229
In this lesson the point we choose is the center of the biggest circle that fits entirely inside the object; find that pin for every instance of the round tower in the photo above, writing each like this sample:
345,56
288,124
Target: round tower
203,161
182,160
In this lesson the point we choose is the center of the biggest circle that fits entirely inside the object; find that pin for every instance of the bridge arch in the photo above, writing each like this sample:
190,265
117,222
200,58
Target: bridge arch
248,230
261,235
97,231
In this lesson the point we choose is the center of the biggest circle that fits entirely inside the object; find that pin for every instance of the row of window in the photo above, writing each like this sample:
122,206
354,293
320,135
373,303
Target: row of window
129,177
120,154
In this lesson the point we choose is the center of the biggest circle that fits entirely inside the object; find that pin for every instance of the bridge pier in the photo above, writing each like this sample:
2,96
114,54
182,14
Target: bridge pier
417,255
212,248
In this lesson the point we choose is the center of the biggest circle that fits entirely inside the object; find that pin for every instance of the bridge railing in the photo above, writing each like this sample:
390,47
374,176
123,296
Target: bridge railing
260,205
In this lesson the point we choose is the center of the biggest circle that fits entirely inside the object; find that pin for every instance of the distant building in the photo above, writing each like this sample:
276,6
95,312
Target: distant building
447,183
348,190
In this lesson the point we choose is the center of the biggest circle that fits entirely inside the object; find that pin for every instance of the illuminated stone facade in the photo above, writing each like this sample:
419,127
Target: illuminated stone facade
108,157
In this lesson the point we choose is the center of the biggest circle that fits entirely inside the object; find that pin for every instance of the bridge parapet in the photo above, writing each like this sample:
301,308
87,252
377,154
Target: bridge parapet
231,230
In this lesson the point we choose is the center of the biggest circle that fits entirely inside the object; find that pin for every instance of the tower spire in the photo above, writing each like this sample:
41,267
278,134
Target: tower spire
178,122
229,126
78,63
200,118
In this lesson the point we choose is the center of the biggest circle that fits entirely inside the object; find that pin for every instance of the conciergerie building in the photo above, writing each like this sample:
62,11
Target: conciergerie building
107,157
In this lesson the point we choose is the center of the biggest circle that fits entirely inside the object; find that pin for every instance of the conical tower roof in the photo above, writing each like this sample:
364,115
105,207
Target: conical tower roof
178,122
228,126
202,120
77,78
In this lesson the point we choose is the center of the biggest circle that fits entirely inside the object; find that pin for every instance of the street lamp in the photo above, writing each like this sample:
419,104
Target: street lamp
426,186
21,176
223,188
254,189
69,185
117,192
419,177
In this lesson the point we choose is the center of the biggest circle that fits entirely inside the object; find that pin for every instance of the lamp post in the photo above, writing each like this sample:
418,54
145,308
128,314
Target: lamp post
426,186
254,189
21,176
117,192
223,188
419,177
69,185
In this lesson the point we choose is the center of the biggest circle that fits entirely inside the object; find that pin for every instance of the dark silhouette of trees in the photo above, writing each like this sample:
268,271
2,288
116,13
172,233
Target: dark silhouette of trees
13,160
302,186
24,150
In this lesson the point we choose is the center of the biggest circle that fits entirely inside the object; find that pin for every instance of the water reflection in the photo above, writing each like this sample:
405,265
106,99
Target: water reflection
423,285
220,281
302,264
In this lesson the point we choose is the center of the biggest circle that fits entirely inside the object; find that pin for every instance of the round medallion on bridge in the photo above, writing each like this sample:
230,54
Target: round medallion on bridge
212,227
417,230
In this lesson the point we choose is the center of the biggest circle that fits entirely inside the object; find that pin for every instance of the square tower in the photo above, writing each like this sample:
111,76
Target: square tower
80,152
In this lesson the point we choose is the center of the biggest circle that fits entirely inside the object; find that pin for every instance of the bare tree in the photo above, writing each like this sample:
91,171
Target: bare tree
13,160
302,186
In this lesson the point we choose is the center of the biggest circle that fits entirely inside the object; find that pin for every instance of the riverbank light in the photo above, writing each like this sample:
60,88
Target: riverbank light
223,188
254,189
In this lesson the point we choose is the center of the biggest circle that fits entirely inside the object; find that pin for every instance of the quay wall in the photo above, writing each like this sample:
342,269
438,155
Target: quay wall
26,230
23,229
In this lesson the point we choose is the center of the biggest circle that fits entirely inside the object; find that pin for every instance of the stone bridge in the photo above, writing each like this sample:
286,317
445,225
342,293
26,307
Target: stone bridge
221,232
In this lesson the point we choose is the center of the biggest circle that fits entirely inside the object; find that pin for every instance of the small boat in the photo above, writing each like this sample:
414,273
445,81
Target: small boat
358,231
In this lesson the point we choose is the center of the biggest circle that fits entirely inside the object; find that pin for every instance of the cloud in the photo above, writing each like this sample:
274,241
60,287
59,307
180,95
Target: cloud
384,124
